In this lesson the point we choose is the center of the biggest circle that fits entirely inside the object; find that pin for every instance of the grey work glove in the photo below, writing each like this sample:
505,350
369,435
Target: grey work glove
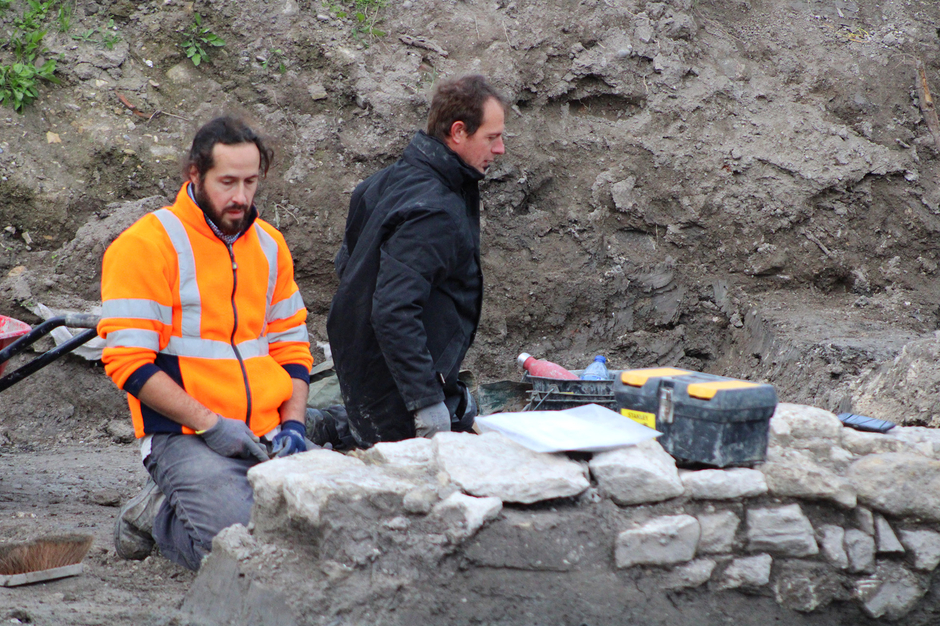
432,420
233,438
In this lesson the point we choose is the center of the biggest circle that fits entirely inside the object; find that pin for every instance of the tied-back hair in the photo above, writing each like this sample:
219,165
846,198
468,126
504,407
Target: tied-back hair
460,100
226,130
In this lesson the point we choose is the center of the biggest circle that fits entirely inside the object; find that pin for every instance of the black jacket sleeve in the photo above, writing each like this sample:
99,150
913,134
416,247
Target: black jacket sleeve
419,253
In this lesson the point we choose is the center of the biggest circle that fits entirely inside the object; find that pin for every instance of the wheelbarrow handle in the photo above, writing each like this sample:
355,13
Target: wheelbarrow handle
46,358
75,320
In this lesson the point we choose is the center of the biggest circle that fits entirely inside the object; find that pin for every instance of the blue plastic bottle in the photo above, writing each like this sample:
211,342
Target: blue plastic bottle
596,370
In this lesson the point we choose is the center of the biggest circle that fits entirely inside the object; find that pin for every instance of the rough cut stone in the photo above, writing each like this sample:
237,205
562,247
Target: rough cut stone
724,484
887,541
865,520
925,546
660,541
718,531
892,592
691,575
637,474
833,538
860,548
805,586
792,422
904,485
492,465
464,515
921,439
410,455
783,531
795,475
750,571
863,443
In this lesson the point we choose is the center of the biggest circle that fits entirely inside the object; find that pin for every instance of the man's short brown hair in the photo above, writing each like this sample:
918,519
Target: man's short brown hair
460,100
226,130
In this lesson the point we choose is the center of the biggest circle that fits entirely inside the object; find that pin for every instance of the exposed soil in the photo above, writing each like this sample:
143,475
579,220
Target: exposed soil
745,187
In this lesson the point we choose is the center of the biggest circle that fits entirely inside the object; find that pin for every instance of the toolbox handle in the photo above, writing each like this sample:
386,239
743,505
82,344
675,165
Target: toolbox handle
666,403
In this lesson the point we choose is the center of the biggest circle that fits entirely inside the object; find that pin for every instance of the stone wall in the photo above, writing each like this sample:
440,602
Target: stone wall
836,527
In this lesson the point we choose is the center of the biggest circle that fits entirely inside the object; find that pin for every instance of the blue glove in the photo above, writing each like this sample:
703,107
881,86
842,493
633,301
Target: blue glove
290,439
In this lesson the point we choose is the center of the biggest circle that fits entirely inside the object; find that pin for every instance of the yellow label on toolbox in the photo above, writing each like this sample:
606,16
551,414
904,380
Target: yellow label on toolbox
646,419
707,391
638,378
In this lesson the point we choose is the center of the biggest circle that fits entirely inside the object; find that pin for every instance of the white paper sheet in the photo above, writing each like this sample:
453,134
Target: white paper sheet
589,428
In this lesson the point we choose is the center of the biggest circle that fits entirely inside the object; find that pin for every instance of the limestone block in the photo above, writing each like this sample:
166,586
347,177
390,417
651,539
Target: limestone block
268,479
749,571
833,548
492,465
862,443
792,423
660,541
718,531
783,531
887,541
860,548
865,520
891,592
637,474
794,474
905,485
806,586
925,546
464,515
921,439
411,455
691,575
724,484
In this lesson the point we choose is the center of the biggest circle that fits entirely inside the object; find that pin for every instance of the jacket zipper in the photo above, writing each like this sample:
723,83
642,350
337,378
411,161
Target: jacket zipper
241,363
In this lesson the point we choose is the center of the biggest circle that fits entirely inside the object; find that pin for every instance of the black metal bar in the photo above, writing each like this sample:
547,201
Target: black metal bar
75,320
47,357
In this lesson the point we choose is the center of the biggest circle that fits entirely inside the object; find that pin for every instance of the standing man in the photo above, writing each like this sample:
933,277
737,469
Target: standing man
206,333
411,287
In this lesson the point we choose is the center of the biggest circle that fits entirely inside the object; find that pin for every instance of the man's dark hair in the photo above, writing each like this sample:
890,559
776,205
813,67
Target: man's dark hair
225,130
460,100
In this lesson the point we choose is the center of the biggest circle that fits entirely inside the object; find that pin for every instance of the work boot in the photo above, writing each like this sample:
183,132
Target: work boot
133,530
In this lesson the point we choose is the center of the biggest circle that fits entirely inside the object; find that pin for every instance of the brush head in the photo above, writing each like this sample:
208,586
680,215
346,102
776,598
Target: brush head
43,553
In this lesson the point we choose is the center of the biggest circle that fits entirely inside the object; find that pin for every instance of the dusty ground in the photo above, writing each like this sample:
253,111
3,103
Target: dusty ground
745,187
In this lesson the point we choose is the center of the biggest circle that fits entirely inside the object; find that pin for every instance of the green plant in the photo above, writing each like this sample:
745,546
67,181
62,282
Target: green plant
86,36
275,59
108,40
197,40
64,17
365,15
18,82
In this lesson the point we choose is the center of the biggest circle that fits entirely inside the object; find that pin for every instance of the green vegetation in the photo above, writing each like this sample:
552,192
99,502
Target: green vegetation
199,40
20,78
275,60
109,35
365,16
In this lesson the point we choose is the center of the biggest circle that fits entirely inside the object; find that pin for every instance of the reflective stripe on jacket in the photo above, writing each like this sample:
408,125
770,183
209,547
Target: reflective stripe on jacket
228,324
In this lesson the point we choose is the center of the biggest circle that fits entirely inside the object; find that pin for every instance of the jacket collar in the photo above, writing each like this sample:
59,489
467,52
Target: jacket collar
432,153
193,215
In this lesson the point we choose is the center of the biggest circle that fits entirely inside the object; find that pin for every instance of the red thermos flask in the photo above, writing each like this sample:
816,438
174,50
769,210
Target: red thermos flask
545,369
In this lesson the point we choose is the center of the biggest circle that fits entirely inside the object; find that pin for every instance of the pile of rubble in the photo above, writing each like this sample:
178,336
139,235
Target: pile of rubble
467,528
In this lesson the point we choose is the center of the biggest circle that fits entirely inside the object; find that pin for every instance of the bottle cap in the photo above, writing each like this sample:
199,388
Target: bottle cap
522,358
601,358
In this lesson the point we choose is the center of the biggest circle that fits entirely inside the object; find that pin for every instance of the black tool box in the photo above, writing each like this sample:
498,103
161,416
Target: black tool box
705,419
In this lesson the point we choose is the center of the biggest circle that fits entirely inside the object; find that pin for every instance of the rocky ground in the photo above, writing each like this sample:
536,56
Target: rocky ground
742,187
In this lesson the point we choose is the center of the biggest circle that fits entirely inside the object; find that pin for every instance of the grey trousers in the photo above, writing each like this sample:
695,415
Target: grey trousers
205,492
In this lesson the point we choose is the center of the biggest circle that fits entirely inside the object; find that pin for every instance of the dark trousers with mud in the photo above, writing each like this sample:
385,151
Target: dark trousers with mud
205,492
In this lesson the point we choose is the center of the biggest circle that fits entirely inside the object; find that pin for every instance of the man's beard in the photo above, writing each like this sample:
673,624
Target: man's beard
216,216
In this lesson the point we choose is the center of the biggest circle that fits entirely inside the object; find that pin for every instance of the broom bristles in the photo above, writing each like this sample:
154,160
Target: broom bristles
44,553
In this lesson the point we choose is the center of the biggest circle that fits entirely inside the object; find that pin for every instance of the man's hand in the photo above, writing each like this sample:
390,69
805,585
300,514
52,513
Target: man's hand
290,439
232,438
432,420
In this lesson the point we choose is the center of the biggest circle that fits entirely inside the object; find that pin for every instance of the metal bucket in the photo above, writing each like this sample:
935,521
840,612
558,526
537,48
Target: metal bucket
10,331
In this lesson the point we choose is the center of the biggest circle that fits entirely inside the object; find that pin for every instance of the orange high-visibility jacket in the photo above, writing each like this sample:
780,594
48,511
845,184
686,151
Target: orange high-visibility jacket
227,323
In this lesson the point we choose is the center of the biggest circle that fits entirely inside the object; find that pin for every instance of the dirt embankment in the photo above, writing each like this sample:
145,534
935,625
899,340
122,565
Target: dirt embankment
741,187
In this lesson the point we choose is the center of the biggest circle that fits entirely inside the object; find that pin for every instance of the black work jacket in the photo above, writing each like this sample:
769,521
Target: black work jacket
410,290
